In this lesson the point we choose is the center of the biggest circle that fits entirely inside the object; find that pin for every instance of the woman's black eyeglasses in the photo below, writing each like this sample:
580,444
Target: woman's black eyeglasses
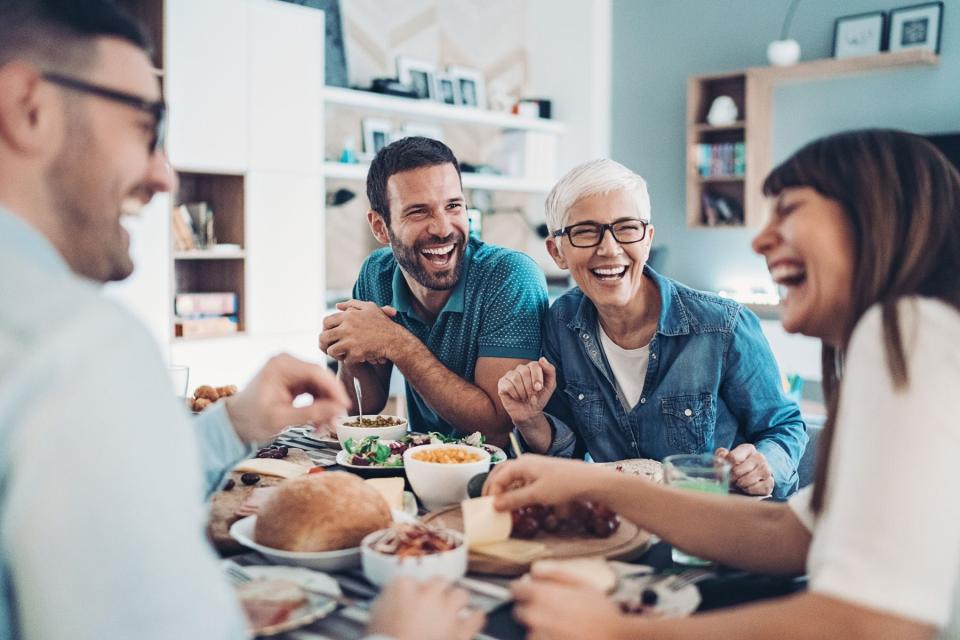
156,109
590,234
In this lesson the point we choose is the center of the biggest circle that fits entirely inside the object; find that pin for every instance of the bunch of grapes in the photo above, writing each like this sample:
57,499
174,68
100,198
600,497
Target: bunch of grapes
573,519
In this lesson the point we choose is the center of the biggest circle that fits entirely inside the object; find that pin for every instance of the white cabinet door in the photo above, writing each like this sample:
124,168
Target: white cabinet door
286,84
284,252
206,84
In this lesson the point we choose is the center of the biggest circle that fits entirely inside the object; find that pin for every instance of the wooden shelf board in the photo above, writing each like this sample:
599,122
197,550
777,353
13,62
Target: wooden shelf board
833,68
439,111
711,179
490,182
706,128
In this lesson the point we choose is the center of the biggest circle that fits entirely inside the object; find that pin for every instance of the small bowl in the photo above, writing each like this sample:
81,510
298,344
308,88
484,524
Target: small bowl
439,484
381,568
345,431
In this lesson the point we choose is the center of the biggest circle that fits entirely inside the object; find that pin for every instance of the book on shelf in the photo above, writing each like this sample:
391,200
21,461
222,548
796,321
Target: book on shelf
724,160
205,327
184,236
222,303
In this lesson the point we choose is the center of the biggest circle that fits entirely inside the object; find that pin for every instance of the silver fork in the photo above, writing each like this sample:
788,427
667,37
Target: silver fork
238,576
690,576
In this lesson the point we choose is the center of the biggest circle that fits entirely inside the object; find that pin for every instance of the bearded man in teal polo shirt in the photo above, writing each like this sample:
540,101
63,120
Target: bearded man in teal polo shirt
452,313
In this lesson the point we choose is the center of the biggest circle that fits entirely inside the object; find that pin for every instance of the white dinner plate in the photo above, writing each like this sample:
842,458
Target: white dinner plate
317,606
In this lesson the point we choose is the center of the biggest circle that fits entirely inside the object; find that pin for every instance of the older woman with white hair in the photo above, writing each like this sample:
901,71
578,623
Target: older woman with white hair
639,366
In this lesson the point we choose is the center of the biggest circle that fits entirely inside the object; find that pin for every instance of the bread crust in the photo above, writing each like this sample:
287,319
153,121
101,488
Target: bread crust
321,512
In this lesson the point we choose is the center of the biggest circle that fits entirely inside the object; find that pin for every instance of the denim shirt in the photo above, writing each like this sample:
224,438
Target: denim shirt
711,382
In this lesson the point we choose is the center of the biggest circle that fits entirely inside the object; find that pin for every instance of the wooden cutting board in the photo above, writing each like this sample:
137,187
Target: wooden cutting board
628,542
223,504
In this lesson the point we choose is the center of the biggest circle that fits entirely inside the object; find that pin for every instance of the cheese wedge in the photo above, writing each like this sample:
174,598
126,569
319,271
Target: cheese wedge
482,523
595,573
391,489
271,467
517,551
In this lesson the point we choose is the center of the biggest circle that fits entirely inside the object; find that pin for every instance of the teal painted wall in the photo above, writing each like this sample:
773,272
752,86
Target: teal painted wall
657,44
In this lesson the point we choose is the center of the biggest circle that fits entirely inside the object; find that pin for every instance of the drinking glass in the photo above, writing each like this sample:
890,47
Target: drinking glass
702,472
180,379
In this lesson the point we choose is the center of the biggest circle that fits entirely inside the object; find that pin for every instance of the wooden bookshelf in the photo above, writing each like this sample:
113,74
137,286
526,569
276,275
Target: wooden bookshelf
752,91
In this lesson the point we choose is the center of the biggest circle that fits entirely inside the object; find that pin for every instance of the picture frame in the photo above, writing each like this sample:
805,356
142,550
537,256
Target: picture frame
917,26
861,34
470,86
377,133
447,89
408,129
419,76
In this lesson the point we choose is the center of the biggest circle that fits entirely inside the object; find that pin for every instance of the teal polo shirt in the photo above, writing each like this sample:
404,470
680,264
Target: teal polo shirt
495,310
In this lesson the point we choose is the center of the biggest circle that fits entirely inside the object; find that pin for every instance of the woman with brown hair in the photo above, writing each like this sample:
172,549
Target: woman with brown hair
865,240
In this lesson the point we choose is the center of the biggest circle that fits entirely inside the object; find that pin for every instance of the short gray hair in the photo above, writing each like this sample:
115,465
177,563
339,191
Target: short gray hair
596,177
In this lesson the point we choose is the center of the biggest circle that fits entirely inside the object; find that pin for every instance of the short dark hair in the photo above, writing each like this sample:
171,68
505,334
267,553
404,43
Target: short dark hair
60,33
403,155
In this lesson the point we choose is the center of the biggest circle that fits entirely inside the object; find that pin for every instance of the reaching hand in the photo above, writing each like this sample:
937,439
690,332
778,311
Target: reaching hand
750,471
361,332
558,607
525,390
545,480
265,406
408,609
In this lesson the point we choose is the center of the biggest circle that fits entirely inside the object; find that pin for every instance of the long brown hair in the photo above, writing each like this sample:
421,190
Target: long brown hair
902,199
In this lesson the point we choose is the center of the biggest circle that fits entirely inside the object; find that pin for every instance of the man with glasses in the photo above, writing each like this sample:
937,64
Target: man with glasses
102,475
636,365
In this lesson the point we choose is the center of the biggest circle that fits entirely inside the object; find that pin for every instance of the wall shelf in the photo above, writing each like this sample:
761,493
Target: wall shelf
488,181
436,111
833,68
209,254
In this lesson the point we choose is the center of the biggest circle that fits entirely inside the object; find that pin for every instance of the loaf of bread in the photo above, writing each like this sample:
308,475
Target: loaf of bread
321,512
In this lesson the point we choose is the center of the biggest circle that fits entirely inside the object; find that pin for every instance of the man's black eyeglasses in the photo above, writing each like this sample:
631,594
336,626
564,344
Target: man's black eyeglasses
590,234
156,109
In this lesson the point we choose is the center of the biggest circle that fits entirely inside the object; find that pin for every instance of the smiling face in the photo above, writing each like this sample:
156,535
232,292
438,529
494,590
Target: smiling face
808,245
610,274
105,168
428,225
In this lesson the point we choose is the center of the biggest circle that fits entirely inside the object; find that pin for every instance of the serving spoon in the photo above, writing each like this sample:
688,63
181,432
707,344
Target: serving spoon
356,387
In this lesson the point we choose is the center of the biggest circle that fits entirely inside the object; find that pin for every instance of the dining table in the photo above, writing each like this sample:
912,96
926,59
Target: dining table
724,587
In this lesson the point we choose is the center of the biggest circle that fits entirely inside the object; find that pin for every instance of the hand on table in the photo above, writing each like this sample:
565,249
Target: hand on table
554,606
408,609
545,480
265,406
525,390
750,471
361,332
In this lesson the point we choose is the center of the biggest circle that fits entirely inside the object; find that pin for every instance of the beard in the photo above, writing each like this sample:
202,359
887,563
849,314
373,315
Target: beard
94,243
409,256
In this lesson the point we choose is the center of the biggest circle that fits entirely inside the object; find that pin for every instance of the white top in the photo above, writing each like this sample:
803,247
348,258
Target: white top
629,368
889,536
101,490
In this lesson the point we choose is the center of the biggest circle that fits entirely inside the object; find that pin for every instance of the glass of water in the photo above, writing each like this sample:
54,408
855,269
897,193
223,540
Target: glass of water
702,472
180,379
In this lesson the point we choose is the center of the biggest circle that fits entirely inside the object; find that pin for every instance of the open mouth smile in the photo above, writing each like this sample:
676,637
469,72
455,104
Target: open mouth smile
609,274
439,256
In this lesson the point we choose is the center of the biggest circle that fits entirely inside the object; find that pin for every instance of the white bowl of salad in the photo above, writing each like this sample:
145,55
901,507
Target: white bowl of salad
373,452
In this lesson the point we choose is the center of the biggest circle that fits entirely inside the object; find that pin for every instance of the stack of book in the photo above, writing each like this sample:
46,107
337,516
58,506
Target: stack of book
192,226
721,160
203,315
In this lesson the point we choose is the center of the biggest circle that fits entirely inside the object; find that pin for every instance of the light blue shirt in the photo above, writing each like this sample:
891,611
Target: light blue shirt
102,480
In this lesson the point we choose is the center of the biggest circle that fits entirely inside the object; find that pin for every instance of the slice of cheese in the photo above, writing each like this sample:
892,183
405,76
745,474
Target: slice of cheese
518,551
482,523
595,573
391,489
271,467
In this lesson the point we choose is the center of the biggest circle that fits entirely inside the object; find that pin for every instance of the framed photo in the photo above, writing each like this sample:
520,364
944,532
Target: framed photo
447,89
470,86
377,133
417,75
432,131
859,35
916,27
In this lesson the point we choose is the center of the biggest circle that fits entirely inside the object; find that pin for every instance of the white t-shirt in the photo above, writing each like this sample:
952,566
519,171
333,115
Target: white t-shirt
889,535
629,368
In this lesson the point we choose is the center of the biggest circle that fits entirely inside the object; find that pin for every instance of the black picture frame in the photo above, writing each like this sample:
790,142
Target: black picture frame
838,26
897,33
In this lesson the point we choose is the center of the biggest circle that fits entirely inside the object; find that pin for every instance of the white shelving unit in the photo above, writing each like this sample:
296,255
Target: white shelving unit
436,111
207,254
490,182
